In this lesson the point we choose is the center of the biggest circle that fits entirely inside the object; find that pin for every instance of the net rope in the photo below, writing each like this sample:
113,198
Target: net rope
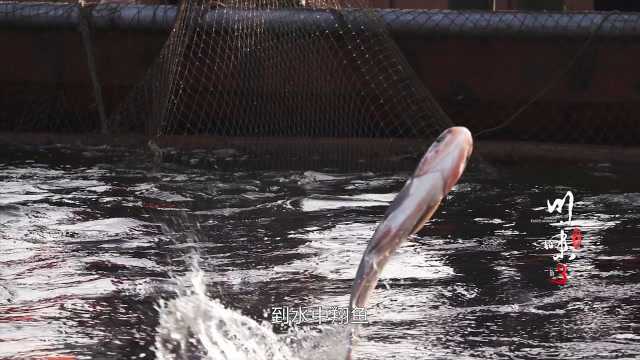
248,68
325,69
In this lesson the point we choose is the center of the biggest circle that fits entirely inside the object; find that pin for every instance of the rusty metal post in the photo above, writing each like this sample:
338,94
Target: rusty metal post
85,30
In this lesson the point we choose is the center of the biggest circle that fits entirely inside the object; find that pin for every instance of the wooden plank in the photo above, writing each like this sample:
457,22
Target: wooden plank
578,5
540,5
420,4
471,4
379,4
501,5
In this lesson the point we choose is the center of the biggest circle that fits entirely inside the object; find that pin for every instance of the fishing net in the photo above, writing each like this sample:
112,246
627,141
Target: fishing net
56,76
276,68
309,70
259,69
563,77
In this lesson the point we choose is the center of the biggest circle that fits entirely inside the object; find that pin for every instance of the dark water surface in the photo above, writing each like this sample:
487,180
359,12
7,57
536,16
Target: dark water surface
92,239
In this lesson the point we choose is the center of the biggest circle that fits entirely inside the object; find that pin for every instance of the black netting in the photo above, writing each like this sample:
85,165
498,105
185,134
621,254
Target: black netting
547,77
319,69
283,68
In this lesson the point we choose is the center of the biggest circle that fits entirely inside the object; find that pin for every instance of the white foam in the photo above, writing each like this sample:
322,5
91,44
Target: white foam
194,325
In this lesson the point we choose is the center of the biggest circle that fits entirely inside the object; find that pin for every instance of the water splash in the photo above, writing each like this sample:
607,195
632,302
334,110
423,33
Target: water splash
196,326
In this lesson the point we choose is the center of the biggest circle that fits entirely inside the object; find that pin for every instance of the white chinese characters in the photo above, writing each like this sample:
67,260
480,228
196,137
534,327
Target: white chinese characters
559,241
320,315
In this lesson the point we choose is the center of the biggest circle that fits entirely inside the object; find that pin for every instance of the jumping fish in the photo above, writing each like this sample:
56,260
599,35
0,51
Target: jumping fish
438,171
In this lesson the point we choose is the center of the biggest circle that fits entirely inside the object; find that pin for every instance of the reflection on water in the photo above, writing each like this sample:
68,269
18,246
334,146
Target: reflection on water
96,261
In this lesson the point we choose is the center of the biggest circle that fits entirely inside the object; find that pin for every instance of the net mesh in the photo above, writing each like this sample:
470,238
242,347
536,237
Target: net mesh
285,69
320,69
546,76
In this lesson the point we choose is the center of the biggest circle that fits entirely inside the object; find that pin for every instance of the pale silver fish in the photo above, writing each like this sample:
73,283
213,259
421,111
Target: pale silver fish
437,173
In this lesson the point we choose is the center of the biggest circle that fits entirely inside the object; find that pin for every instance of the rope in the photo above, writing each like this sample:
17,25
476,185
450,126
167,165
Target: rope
561,73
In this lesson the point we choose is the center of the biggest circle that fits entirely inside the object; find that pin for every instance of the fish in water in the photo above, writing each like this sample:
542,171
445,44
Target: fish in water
438,171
